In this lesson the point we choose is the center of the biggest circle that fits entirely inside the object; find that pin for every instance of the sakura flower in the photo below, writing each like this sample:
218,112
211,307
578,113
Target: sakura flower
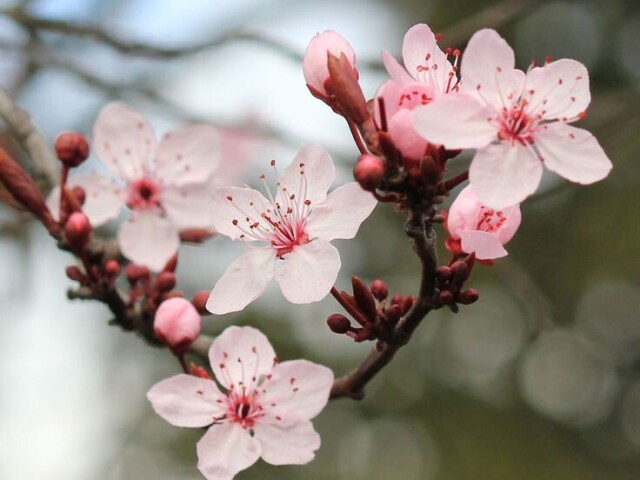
264,409
314,63
428,74
296,224
516,120
480,229
166,195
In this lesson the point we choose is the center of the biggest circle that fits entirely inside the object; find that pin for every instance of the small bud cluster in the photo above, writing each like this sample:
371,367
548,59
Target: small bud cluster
450,281
371,309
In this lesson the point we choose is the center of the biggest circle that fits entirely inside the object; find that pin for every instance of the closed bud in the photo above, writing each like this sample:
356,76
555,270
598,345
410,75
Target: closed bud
171,264
177,323
314,63
369,171
74,273
165,281
79,194
137,272
379,289
78,231
445,297
72,148
338,323
469,296
112,268
199,301
363,297
407,303
444,273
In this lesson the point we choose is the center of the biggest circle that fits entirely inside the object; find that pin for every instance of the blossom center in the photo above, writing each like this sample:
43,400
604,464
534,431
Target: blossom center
244,408
490,220
281,221
516,125
144,194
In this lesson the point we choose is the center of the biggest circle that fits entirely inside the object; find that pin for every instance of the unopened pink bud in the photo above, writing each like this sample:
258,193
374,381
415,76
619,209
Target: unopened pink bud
165,281
338,323
314,64
379,289
177,323
72,148
369,171
78,230
112,268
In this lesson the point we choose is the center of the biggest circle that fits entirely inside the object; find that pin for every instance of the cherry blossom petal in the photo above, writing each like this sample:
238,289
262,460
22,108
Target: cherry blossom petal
424,59
103,198
240,356
187,401
404,135
287,444
244,280
189,205
314,63
559,89
456,121
395,70
307,273
123,140
508,230
319,174
485,245
298,387
389,93
487,66
225,450
341,214
188,155
235,203
503,175
572,153
148,239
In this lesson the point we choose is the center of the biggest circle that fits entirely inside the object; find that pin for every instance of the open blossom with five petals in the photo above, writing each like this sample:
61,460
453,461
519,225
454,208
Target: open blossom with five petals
297,224
479,229
428,74
516,120
167,185
264,410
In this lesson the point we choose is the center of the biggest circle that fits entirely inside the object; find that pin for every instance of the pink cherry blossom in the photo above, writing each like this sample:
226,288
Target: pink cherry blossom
296,224
516,120
428,74
481,229
177,323
264,409
167,185
314,63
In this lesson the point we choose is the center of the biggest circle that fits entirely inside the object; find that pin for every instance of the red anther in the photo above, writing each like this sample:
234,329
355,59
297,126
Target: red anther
171,264
456,52
369,172
338,323
438,37
448,51
79,194
112,268
74,273
445,297
72,148
379,289
469,296
199,300
582,115
198,371
548,59
78,231
136,273
165,281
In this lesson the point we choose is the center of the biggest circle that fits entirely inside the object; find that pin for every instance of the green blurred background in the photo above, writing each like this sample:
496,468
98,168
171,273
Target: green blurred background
538,380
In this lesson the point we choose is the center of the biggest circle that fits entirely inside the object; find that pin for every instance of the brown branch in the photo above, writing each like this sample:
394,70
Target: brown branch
418,228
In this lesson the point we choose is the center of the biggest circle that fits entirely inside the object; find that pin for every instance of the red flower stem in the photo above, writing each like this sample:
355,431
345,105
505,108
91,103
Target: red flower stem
356,137
62,215
351,309
455,181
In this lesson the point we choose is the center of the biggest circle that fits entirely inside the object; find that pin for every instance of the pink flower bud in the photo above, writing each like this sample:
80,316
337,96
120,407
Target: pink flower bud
369,172
165,281
177,323
379,289
314,64
72,148
112,268
78,231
